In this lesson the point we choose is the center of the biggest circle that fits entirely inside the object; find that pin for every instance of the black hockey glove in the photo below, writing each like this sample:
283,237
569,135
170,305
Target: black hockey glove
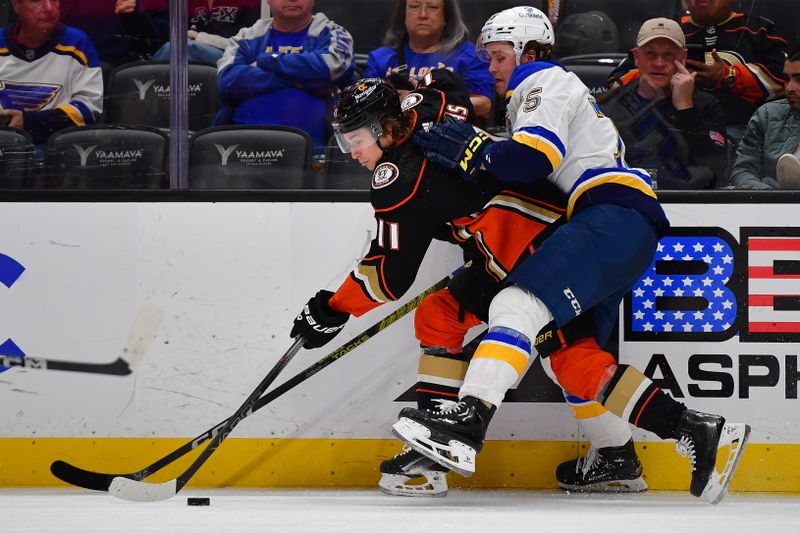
317,323
455,145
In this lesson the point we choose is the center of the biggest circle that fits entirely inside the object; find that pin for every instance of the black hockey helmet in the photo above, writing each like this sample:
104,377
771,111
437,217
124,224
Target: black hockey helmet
363,105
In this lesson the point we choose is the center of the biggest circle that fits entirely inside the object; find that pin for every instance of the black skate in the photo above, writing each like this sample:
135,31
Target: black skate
450,435
610,469
701,437
409,473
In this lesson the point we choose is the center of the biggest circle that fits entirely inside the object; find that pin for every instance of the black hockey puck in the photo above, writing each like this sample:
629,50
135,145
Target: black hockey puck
198,501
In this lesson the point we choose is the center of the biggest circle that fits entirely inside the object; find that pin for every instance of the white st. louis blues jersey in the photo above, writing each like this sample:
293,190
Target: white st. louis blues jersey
552,111
63,75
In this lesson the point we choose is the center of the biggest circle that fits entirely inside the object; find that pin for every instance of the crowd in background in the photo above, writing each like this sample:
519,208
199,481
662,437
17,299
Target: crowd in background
713,101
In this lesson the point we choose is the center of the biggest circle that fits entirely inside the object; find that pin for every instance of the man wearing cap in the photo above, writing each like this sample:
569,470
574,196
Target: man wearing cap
739,59
669,126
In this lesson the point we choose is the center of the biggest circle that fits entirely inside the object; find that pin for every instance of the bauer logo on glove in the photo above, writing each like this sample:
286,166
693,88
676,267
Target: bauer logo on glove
317,323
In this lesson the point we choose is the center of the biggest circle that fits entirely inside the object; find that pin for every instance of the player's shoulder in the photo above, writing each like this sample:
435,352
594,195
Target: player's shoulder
535,72
441,92
76,43
397,176
427,103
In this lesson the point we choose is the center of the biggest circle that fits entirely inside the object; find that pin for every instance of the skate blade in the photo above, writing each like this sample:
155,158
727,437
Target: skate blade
616,486
435,485
454,455
734,437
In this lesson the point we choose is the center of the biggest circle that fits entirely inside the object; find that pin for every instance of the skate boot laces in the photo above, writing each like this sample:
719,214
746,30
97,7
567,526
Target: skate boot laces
447,407
685,447
405,450
585,464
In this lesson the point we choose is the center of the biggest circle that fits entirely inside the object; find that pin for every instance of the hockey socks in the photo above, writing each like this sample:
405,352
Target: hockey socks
439,376
497,364
634,397
701,437
409,473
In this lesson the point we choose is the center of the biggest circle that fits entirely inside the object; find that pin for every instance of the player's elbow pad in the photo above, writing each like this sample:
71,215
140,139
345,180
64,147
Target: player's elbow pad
513,161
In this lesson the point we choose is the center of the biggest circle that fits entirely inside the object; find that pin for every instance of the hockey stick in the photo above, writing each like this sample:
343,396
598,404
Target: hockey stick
141,491
117,368
143,330
101,481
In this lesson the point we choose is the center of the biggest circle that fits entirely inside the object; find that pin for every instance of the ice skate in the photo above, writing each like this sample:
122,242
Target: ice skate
451,435
701,437
409,473
610,469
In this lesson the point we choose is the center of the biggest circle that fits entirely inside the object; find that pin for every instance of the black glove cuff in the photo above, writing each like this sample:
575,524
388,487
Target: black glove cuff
322,310
473,291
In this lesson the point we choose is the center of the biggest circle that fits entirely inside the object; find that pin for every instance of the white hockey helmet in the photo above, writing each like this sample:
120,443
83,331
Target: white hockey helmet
518,26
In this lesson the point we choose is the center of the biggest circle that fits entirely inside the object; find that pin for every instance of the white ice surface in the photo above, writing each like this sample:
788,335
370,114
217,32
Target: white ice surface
462,511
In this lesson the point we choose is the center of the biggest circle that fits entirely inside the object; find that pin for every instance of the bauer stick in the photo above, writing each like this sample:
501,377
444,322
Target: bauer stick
142,491
143,330
116,368
101,481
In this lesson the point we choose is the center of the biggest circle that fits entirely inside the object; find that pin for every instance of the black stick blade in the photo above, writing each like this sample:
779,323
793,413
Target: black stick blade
82,478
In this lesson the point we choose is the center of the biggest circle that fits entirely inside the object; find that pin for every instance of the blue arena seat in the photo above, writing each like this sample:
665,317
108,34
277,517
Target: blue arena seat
138,94
107,157
249,157
16,158
627,15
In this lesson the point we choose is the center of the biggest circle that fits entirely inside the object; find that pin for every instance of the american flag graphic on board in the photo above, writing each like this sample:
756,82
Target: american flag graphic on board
685,291
773,279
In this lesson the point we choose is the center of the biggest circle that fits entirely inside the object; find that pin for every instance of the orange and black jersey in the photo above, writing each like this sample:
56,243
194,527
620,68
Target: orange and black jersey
416,202
750,45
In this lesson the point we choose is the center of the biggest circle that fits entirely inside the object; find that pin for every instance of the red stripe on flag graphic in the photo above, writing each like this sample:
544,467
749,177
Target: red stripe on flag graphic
775,245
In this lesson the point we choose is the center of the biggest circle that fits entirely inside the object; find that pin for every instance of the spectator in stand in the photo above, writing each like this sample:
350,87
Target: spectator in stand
553,7
428,34
49,73
212,23
669,126
284,70
739,59
768,154
121,30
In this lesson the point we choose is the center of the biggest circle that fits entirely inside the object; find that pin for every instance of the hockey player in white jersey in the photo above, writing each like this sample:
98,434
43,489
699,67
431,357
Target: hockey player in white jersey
615,223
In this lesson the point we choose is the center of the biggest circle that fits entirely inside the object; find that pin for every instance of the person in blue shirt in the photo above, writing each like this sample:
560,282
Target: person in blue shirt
284,70
427,34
